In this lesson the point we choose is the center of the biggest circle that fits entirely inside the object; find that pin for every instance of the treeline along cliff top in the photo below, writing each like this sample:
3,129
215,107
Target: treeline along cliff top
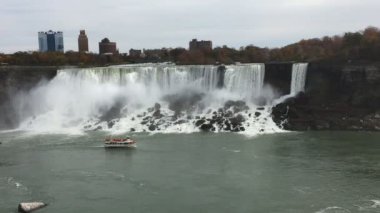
363,46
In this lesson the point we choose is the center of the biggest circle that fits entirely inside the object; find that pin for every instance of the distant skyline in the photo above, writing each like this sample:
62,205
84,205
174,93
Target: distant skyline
152,24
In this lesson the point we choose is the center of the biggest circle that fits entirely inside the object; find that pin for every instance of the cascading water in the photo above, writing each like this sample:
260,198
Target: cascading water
299,72
246,80
149,97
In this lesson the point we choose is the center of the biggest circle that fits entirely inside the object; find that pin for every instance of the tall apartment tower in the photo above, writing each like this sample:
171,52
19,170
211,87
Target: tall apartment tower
50,41
82,42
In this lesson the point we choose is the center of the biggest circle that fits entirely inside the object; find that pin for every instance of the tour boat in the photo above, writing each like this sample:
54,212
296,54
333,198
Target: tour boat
119,143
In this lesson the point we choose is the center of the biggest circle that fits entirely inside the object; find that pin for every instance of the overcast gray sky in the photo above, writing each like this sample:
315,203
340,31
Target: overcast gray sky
172,23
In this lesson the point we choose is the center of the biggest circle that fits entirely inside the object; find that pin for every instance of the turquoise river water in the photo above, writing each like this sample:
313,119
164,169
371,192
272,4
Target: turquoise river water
224,172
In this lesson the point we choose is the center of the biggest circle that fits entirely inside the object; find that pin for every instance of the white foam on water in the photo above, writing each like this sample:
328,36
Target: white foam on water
333,209
17,184
368,205
376,203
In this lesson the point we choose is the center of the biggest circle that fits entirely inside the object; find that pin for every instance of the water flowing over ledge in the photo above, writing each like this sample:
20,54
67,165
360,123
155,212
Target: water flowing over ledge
155,98
299,72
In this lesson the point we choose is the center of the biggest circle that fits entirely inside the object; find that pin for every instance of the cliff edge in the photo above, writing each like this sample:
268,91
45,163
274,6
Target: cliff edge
337,97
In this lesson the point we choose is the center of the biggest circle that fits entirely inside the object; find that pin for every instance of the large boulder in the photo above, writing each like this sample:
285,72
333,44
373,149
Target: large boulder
157,106
157,114
236,106
237,120
199,122
152,127
207,127
30,206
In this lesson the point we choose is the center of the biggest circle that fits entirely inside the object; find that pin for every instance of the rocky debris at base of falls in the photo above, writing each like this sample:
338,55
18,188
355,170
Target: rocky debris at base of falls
297,114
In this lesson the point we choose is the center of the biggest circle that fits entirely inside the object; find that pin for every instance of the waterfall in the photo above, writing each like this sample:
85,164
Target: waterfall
166,77
299,72
246,80
149,97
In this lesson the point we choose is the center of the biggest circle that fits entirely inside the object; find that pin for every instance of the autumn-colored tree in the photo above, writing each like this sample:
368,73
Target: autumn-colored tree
351,46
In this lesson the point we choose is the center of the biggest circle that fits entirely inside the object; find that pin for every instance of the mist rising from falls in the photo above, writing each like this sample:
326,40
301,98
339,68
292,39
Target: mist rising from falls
150,97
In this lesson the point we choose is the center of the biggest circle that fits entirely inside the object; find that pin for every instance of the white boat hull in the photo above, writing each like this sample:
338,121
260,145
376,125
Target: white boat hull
119,145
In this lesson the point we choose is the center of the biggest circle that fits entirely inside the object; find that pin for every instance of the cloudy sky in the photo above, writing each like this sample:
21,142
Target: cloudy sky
172,23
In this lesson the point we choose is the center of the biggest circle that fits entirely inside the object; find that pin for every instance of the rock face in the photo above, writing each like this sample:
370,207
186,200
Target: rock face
279,76
338,97
355,85
19,78
221,71
227,118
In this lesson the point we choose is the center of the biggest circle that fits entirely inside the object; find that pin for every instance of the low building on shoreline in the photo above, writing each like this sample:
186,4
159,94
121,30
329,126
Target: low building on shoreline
106,47
195,45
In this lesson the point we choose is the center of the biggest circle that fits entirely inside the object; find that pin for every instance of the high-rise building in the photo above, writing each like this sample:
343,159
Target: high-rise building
50,41
107,48
82,42
200,45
